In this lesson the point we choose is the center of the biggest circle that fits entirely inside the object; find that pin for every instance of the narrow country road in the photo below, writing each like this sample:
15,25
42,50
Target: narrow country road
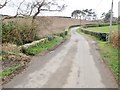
74,64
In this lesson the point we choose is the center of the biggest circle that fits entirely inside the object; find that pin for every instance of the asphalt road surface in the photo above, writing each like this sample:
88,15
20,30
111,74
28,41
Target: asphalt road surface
74,64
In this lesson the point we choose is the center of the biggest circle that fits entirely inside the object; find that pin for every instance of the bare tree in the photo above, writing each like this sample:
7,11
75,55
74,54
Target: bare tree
34,8
3,4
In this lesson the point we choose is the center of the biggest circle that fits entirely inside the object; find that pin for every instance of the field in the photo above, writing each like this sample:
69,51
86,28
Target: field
103,29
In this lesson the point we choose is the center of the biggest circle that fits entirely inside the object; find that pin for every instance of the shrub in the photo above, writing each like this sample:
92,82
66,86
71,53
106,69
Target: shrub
66,32
62,34
18,33
115,39
50,37
7,31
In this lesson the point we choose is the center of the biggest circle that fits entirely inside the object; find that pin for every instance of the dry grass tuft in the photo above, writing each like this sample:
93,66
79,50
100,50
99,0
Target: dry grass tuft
6,47
12,55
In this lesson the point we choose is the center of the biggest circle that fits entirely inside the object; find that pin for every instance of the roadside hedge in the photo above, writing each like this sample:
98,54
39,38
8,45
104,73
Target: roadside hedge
97,25
73,26
100,35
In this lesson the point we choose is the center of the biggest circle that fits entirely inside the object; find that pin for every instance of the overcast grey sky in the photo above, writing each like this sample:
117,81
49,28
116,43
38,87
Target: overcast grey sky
99,6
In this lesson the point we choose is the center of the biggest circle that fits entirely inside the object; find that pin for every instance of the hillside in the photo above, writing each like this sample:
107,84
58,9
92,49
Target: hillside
56,24
50,24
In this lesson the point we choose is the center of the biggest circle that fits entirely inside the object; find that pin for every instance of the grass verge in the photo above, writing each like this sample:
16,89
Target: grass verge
43,47
9,71
109,55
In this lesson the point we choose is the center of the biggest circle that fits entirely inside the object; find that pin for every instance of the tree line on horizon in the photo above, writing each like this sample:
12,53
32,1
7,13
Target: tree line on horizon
90,14
86,14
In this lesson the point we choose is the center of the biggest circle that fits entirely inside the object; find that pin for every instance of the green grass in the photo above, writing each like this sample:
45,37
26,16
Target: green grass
104,29
108,53
42,47
0,58
9,71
